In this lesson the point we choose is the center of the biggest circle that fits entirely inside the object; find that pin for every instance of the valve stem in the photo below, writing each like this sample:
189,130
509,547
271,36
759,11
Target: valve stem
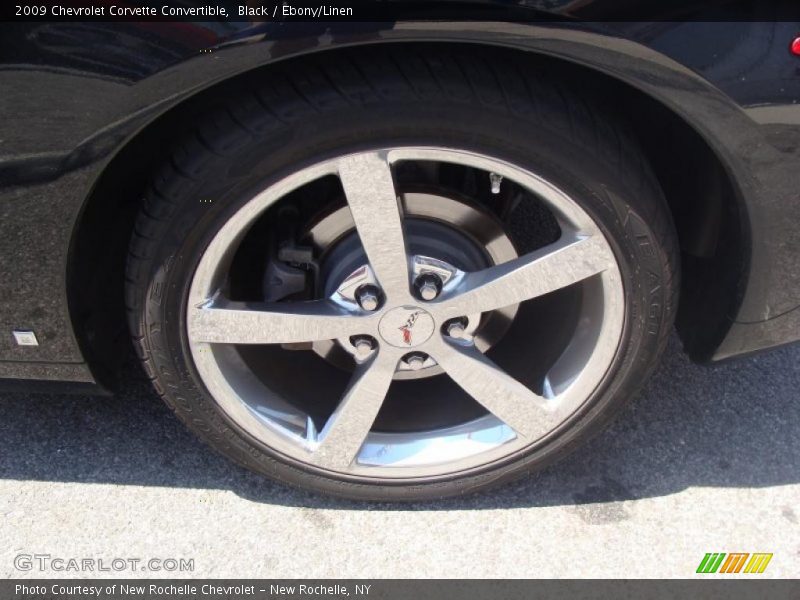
495,180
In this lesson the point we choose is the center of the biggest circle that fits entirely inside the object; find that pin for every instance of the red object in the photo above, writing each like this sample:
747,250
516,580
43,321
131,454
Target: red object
796,46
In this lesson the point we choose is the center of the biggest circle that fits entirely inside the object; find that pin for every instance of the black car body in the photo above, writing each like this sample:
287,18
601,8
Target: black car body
88,107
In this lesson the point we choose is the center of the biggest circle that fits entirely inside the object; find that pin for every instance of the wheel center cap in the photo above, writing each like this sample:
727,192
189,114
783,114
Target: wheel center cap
406,326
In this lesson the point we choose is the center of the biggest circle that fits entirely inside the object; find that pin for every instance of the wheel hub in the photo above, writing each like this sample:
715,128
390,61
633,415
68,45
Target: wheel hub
460,235
406,326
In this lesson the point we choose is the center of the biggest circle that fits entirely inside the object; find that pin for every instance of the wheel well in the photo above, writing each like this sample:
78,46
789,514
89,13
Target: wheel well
701,196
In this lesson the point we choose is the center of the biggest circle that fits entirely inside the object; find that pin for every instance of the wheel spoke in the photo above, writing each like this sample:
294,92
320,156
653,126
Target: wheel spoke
502,395
228,322
371,196
548,269
348,426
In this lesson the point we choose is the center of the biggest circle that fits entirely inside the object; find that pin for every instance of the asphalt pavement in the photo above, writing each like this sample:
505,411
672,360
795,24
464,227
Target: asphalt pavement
706,459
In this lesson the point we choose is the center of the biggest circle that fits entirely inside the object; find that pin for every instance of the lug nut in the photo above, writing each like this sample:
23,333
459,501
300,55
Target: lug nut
368,297
364,347
428,286
457,329
428,291
416,361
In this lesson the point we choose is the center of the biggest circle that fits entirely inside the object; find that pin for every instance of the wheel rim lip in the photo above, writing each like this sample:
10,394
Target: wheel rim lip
435,453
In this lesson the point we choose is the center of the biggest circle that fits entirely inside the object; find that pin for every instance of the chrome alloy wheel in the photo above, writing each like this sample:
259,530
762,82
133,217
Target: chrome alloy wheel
396,319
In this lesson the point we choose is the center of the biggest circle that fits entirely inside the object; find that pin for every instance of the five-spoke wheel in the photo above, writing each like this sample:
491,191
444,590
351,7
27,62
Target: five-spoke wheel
409,310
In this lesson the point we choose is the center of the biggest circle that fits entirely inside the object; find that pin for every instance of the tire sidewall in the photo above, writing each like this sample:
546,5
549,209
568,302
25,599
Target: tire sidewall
225,183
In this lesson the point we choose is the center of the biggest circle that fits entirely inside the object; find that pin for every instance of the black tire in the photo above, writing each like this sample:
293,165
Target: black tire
493,103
